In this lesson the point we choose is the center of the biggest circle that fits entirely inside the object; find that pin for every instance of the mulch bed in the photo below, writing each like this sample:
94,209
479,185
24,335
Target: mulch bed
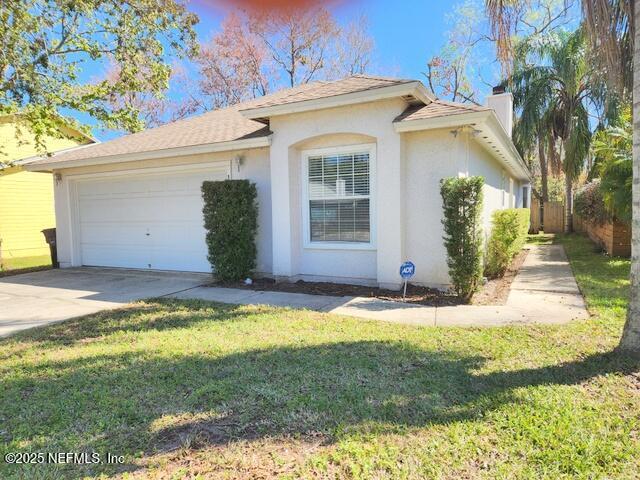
496,291
415,294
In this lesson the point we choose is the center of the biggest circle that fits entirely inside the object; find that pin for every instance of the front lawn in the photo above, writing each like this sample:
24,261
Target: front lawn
197,390
23,264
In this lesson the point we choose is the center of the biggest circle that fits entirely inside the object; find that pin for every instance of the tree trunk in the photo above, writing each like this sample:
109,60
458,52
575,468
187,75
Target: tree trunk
631,334
544,171
568,203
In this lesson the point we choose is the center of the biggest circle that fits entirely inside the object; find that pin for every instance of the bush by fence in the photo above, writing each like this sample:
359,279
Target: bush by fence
231,220
462,204
508,235
588,202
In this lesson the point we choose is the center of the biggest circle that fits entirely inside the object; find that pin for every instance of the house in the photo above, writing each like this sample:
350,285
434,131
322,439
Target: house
26,198
347,174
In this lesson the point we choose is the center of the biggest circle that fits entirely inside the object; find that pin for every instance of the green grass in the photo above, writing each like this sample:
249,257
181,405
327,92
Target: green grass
541,238
26,262
186,389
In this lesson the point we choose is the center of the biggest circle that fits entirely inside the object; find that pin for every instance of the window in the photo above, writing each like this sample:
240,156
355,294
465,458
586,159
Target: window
512,197
338,197
525,197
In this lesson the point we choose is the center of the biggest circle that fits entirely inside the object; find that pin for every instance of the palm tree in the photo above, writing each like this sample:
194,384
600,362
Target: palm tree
631,334
613,29
552,94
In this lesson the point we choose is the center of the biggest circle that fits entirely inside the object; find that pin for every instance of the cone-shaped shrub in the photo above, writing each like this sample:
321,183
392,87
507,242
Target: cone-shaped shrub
462,204
231,220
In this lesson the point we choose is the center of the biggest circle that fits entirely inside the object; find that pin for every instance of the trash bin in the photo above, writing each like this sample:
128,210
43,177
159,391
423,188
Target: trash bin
50,238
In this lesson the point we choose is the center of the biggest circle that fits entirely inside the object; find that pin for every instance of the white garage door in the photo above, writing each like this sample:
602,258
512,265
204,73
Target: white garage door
151,221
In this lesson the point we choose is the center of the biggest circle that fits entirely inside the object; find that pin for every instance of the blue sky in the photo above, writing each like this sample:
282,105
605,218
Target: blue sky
407,33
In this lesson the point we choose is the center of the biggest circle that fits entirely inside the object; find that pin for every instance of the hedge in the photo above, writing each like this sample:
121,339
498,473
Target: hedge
508,235
462,204
588,203
231,220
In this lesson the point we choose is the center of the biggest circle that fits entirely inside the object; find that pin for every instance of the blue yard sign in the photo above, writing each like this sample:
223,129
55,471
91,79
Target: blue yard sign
407,270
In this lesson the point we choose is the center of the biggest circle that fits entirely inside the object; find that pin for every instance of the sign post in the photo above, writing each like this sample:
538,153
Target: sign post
407,270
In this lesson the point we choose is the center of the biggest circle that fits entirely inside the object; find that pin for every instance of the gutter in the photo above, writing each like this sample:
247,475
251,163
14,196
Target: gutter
484,119
48,166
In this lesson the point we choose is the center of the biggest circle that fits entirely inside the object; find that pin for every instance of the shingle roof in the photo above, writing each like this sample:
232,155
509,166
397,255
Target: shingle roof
211,127
317,90
222,125
228,124
438,108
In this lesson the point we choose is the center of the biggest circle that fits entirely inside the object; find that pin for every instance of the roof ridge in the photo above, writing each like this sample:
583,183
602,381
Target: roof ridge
469,105
383,78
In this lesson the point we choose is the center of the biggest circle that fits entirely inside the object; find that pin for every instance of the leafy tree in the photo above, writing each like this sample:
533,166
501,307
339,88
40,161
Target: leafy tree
552,96
45,45
612,149
354,48
232,67
261,51
613,28
456,71
299,41
151,107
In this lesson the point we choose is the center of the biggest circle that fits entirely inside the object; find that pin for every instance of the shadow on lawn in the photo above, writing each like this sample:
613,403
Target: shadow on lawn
152,314
110,403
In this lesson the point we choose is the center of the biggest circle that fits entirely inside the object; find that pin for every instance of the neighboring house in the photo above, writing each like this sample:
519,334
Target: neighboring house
26,198
348,177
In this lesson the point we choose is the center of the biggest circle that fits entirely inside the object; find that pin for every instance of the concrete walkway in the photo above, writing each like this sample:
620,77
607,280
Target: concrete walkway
39,298
544,291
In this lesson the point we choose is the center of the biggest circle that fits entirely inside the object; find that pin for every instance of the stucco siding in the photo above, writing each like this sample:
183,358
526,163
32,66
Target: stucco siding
430,156
499,187
336,127
406,206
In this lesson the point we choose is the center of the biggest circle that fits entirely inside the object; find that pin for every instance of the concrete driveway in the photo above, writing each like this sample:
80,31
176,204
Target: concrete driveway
35,299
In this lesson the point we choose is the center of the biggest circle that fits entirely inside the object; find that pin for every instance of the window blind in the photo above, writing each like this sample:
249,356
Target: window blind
339,198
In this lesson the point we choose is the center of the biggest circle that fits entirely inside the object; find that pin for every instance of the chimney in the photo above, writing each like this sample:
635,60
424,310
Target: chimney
502,103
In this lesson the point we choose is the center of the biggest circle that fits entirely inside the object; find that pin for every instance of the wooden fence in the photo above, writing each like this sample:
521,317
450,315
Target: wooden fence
550,218
614,237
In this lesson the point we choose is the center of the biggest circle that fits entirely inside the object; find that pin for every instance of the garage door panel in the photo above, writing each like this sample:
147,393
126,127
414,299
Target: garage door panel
189,261
106,234
125,256
152,222
176,209
180,208
189,237
117,209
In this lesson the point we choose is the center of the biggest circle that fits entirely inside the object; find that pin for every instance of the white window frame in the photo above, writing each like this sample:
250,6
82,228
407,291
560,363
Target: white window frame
369,148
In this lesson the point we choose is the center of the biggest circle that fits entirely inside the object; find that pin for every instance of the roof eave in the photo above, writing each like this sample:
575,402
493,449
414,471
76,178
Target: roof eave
414,88
492,136
506,143
244,144
444,121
